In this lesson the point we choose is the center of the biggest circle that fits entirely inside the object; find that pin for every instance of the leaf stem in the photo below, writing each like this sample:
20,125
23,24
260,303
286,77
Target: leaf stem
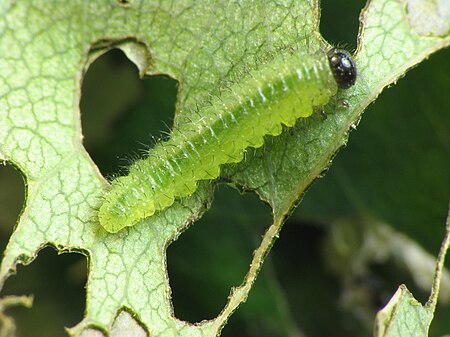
432,301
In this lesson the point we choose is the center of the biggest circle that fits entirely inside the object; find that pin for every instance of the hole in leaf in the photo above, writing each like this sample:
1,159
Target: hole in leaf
57,284
339,22
265,313
120,112
214,255
12,196
310,290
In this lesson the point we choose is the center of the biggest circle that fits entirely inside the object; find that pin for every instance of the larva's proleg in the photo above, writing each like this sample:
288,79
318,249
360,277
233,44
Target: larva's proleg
277,92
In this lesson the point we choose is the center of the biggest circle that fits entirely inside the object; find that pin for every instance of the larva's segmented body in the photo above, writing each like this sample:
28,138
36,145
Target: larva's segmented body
278,92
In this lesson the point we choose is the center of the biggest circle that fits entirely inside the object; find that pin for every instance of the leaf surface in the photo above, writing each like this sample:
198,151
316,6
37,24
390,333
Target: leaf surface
46,48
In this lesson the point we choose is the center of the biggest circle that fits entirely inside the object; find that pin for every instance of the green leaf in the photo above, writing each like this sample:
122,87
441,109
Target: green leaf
403,316
46,48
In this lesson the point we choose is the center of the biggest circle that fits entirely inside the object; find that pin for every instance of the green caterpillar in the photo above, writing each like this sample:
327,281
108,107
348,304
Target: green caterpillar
278,92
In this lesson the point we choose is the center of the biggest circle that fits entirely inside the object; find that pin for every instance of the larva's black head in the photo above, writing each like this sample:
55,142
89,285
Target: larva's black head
343,67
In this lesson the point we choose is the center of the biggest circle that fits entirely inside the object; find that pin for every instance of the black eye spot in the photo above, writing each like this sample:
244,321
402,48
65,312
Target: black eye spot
343,68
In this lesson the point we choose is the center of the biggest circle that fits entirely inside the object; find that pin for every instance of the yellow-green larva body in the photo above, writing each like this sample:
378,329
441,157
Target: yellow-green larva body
277,92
